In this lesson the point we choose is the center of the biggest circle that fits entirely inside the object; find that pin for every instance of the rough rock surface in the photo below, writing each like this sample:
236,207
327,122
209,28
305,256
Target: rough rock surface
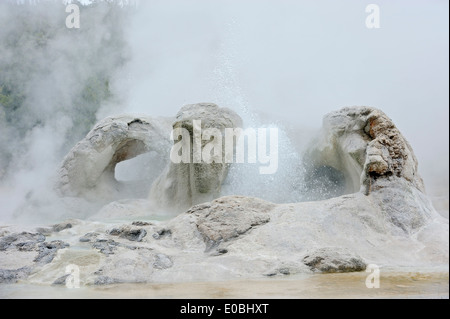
228,218
239,237
88,170
375,159
364,144
23,241
21,253
10,276
47,251
130,233
333,259
185,184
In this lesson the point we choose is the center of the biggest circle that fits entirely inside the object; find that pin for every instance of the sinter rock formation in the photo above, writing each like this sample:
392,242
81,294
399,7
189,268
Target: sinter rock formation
185,184
88,171
384,219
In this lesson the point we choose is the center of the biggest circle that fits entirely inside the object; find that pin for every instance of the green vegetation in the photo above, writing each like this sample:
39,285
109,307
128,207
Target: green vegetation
49,72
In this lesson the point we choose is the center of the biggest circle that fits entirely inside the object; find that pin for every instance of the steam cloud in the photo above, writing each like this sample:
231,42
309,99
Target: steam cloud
288,62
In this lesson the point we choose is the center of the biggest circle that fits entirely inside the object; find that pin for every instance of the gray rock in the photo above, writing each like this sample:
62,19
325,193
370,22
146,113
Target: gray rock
115,232
161,233
141,223
284,271
280,271
162,261
8,276
61,281
61,226
24,241
219,252
89,237
47,251
132,234
229,217
105,246
104,280
333,259
46,231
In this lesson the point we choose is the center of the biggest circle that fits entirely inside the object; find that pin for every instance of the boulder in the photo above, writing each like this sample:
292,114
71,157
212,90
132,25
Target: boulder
227,218
22,253
130,233
333,259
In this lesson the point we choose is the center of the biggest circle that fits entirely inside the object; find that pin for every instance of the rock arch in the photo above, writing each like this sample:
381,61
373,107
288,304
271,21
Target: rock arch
88,169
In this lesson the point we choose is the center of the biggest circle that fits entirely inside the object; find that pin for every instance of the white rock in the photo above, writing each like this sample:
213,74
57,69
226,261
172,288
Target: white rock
88,170
185,184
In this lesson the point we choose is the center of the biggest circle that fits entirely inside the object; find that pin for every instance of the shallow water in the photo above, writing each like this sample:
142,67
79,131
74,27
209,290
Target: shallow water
406,284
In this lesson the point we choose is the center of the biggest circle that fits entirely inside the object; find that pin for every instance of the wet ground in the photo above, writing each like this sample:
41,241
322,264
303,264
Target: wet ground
393,284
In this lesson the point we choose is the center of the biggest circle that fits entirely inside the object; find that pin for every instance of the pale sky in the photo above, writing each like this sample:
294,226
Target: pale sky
298,60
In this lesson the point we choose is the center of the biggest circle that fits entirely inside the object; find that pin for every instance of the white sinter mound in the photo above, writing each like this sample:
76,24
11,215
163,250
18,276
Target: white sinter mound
385,219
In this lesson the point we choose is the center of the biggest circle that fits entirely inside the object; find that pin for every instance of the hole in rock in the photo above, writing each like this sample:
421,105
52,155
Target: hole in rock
137,174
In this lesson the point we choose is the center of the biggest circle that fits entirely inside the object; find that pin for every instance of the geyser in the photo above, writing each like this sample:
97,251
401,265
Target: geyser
388,221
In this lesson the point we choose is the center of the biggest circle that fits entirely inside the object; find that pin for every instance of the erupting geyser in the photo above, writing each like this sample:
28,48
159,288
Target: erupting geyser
384,217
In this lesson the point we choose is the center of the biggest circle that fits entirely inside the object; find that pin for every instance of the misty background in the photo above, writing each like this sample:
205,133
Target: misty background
289,62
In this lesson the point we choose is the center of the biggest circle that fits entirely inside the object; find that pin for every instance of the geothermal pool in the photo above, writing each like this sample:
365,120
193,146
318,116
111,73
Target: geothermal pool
400,283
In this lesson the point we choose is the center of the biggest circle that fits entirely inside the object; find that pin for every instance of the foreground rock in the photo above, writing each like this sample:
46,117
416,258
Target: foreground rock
25,252
333,259
240,237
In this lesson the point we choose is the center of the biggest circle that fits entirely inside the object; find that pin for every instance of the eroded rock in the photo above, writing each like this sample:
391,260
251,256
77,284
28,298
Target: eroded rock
89,237
162,261
8,276
105,246
185,184
48,250
365,145
376,159
24,241
333,259
88,171
229,217
130,233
